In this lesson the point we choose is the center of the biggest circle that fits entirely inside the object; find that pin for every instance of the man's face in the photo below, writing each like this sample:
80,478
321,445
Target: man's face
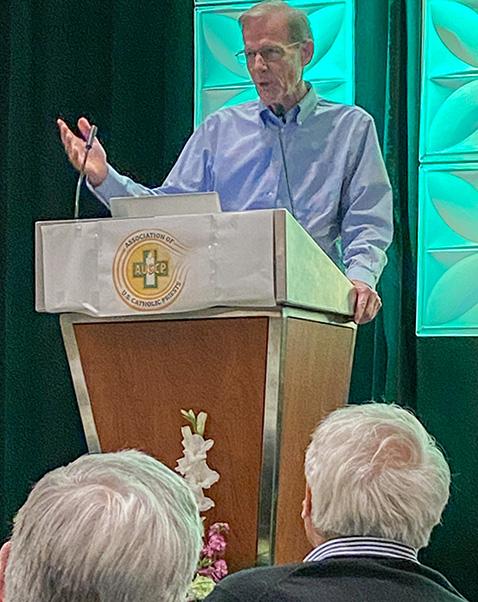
277,82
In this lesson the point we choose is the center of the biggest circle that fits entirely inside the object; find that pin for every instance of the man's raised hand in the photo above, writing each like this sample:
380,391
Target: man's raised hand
96,168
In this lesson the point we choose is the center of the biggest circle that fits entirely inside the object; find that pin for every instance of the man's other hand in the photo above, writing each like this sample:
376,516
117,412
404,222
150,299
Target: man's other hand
96,168
367,302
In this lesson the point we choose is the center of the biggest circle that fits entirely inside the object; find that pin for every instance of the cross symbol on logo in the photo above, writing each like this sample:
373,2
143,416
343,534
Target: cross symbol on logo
150,268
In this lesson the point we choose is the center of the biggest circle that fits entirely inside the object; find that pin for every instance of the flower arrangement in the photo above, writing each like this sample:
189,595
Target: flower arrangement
211,567
194,468
193,465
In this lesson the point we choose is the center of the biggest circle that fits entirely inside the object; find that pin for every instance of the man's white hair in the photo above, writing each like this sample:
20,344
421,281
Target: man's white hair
297,20
374,470
114,527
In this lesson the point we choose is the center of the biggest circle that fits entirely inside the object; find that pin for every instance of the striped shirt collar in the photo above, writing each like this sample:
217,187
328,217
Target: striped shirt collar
362,546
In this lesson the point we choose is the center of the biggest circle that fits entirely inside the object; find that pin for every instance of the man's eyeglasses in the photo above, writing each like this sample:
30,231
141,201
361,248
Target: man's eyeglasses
269,54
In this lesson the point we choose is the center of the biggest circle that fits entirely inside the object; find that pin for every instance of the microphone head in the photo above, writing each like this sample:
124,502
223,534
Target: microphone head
91,136
279,111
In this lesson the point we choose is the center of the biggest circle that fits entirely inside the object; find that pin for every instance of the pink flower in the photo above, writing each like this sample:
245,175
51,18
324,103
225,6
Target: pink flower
220,570
206,552
216,571
215,545
217,528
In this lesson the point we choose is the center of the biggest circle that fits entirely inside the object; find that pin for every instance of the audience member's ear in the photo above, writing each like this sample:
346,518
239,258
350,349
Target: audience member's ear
306,504
4,553
314,537
306,516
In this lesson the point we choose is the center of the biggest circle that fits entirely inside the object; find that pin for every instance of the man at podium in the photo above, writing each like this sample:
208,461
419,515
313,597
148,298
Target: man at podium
290,148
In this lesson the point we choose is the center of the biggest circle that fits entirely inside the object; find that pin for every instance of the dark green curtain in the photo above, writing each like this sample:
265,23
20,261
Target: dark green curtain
387,85
436,377
127,65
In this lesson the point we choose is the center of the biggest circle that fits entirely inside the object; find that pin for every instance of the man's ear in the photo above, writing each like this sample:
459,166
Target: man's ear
4,553
307,504
314,537
307,52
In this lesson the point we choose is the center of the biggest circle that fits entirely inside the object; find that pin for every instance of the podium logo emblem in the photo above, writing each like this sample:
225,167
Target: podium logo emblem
148,270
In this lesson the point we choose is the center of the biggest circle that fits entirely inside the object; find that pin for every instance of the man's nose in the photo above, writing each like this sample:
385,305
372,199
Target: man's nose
259,62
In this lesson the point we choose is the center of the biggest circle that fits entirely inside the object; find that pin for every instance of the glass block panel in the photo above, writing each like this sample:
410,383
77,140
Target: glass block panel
218,37
447,301
449,112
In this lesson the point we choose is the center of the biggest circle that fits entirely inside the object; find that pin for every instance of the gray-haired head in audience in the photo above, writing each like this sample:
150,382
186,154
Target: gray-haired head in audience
114,527
374,470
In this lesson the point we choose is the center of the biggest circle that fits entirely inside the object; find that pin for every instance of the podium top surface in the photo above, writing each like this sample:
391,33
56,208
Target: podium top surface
119,266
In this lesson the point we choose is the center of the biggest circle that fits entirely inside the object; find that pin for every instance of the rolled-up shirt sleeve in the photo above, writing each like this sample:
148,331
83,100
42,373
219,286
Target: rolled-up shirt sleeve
366,207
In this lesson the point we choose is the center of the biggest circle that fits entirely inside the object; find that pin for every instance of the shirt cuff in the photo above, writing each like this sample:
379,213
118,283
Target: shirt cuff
113,185
362,274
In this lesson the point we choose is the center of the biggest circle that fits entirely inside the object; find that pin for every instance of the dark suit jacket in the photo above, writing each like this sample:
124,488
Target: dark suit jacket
351,579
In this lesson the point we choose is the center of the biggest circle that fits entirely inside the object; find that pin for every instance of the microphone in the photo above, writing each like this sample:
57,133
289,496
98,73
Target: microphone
281,112
81,177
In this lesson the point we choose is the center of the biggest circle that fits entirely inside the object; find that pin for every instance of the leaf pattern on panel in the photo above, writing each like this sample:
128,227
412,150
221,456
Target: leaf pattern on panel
456,119
241,95
470,3
454,293
222,34
456,24
326,23
325,86
455,80
216,98
456,201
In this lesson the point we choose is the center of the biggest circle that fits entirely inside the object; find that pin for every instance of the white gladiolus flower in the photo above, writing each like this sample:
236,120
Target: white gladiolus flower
193,466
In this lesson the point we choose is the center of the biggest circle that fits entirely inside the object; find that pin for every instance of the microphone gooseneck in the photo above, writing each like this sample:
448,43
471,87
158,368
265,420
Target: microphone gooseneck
81,177
280,112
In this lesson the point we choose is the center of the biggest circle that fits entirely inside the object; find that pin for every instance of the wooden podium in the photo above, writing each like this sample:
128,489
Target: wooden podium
265,375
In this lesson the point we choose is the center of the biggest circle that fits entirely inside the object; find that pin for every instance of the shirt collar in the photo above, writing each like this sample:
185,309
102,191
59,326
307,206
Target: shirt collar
298,113
362,546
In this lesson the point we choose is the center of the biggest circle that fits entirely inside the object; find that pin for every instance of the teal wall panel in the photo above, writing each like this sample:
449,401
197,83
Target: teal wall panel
448,197
448,250
221,81
450,81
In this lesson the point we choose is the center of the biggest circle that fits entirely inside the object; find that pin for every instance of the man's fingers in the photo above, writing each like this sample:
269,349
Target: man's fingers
371,309
75,148
66,134
367,303
71,143
360,306
84,126
63,128
370,312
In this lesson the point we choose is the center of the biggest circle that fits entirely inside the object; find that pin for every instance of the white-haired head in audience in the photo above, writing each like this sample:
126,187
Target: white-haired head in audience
113,527
373,470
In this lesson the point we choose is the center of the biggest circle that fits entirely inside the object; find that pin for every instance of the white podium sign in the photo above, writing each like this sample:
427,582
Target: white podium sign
114,267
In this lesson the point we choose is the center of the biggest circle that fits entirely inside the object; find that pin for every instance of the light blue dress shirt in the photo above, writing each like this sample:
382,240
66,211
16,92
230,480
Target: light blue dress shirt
321,161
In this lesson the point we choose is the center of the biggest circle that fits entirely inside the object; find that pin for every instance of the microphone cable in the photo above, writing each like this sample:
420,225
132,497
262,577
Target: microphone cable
280,112
81,177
